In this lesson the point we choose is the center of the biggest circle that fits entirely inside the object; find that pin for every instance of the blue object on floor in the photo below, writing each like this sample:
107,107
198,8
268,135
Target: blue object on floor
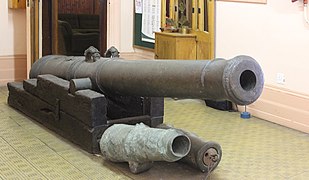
245,115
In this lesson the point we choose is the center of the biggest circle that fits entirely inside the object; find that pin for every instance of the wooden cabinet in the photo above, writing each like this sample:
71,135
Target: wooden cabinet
15,4
201,18
175,46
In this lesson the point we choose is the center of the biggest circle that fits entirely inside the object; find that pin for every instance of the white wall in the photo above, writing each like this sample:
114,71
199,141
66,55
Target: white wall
274,33
12,30
277,36
120,25
12,44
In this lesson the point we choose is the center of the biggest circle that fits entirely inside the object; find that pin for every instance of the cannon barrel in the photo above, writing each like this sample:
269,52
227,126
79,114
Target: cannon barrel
239,80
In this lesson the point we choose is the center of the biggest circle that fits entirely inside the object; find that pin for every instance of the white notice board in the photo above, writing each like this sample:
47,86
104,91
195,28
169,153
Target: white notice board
151,19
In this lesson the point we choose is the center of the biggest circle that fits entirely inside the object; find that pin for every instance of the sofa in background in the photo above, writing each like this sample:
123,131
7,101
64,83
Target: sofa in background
82,23
76,32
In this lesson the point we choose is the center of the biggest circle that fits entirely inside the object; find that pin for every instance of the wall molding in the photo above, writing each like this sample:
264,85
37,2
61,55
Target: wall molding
138,54
15,56
282,106
12,68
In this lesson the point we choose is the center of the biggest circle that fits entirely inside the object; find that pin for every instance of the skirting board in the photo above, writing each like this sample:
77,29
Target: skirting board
248,1
282,106
12,68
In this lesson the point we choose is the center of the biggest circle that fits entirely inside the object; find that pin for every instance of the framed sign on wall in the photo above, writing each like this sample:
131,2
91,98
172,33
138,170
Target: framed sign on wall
248,1
17,4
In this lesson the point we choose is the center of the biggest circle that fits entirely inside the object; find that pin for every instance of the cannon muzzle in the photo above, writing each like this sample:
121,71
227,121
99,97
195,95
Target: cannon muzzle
239,80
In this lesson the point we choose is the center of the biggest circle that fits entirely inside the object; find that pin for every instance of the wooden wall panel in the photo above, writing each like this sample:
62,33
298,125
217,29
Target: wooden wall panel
46,28
79,7
96,7
103,25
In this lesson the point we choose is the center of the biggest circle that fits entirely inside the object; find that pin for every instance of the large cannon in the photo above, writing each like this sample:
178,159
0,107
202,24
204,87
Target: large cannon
80,97
239,80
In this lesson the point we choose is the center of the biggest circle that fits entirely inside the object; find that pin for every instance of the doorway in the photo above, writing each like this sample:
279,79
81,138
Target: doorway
51,23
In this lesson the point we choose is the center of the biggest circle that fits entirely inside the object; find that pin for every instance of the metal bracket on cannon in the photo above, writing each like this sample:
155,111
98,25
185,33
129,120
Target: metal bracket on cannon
92,54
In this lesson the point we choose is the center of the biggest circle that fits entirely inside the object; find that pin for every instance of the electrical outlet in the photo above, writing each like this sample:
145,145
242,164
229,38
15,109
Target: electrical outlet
280,78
